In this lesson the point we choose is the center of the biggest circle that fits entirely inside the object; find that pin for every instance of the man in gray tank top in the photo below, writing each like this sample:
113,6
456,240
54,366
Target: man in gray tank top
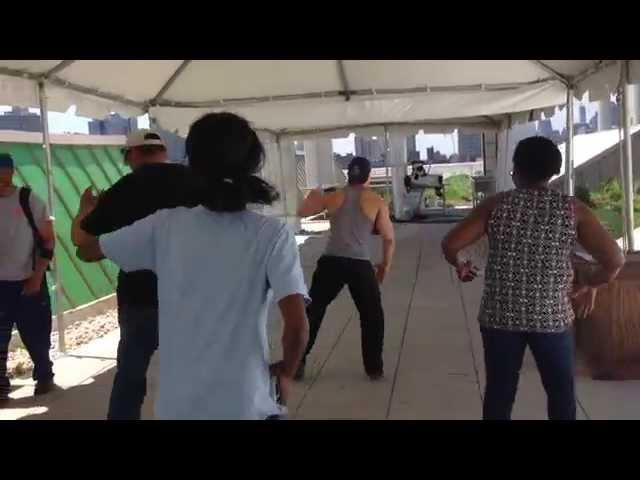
355,212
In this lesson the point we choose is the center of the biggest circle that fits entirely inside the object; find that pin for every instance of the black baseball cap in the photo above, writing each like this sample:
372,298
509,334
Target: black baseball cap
359,170
6,160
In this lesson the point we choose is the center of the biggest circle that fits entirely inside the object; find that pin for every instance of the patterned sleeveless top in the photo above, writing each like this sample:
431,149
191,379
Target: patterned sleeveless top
529,276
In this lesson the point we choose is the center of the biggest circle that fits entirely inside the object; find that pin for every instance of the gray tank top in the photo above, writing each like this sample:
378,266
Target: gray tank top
350,228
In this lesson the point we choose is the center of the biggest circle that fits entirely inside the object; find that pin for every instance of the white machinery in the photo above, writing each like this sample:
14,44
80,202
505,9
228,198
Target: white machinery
417,202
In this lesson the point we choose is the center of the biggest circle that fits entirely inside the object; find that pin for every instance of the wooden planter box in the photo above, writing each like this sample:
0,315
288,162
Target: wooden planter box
608,341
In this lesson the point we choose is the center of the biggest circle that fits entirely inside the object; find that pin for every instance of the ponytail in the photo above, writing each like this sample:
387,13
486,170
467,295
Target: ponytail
234,194
226,153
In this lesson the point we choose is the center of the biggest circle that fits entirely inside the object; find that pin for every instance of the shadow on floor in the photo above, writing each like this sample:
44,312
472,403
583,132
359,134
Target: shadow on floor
87,401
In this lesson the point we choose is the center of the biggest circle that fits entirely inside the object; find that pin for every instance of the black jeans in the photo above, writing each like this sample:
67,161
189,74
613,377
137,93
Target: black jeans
138,342
331,275
503,356
32,317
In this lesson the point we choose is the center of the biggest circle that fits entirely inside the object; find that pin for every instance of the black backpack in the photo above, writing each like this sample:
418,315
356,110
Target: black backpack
38,243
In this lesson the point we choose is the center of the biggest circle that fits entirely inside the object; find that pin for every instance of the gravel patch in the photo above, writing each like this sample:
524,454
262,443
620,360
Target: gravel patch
19,363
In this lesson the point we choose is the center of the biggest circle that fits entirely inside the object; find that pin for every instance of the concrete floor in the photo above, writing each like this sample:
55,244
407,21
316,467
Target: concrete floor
433,356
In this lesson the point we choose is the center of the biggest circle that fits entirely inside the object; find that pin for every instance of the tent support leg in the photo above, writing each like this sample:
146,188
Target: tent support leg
627,171
46,145
569,174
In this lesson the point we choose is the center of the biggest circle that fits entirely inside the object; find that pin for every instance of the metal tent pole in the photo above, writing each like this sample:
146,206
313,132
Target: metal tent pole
283,183
484,154
627,171
387,153
569,174
46,145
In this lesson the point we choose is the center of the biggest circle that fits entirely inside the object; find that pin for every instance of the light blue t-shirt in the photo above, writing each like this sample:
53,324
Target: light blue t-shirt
217,274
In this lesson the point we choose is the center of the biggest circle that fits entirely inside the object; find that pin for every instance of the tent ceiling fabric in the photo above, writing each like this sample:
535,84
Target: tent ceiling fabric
290,96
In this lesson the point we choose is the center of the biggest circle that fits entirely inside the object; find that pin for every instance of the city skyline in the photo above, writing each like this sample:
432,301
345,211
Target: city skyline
69,122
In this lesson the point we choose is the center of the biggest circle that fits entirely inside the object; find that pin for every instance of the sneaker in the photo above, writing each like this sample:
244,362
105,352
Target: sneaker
374,377
44,387
299,376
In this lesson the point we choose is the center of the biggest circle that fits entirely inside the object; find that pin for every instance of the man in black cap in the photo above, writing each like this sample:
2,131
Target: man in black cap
26,247
154,184
355,212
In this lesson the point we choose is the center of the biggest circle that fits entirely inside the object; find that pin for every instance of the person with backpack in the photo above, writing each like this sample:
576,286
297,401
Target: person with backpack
26,248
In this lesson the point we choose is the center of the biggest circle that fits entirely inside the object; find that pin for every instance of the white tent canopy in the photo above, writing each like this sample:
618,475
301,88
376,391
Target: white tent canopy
300,97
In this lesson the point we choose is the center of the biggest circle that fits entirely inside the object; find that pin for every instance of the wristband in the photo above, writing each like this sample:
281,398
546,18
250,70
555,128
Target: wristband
46,253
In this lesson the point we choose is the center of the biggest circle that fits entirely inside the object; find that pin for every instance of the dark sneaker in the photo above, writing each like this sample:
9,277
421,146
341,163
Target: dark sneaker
374,377
44,387
299,376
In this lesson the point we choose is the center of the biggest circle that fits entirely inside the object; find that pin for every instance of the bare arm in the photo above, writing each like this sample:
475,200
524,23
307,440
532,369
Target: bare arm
89,250
295,334
599,243
467,232
384,227
313,204
78,235
294,342
49,242
88,203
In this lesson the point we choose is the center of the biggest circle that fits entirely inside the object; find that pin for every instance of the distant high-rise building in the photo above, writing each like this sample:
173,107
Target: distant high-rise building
594,122
372,148
176,148
545,128
608,115
114,124
413,156
469,146
583,114
21,120
431,153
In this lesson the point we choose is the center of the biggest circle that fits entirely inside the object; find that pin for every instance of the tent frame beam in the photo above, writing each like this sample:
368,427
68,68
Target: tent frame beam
168,84
343,79
339,93
592,70
39,77
58,68
490,127
558,76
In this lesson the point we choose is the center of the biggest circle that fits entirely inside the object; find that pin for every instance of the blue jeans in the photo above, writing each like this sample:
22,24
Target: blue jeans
32,317
138,342
503,356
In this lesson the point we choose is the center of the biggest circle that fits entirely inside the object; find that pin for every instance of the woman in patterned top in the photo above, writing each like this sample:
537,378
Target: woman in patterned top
532,231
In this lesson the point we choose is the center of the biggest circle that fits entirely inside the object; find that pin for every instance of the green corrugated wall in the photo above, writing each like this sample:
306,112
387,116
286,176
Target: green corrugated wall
75,167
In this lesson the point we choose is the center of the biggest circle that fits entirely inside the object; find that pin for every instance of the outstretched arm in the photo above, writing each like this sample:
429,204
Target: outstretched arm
384,227
466,233
313,204
599,243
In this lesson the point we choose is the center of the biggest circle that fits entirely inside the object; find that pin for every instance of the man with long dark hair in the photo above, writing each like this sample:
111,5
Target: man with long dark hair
355,213
153,185
219,267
